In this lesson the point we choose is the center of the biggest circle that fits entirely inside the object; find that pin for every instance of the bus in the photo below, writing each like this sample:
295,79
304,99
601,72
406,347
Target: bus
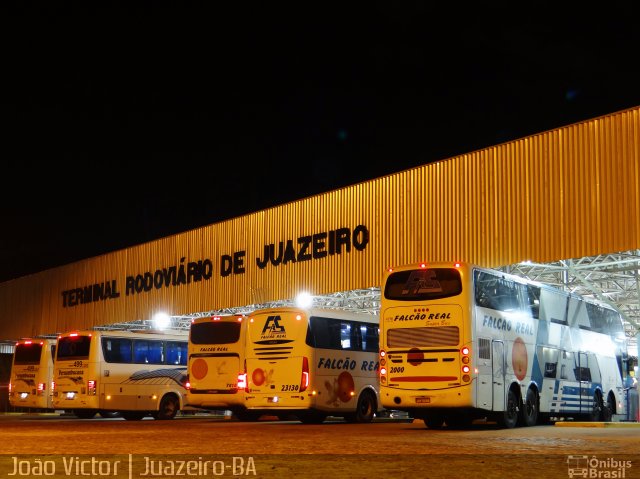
312,363
31,373
134,373
460,342
216,363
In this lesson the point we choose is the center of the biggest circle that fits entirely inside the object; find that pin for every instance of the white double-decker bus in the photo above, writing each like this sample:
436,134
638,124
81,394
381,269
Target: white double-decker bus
460,342
216,363
31,373
312,363
135,373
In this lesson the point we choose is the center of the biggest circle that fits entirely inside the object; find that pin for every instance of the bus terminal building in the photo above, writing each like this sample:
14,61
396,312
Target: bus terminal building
562,206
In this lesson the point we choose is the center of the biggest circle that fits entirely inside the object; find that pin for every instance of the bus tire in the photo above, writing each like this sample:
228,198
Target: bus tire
598,407
530,409
84,413
366,409
509,417
608,410
169,407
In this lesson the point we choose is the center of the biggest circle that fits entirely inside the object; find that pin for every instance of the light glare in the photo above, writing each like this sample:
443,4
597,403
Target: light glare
304,300
162,320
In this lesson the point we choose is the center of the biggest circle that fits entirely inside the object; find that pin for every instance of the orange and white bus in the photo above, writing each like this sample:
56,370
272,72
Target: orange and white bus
135,373
31,373
312,363
460,342
216,363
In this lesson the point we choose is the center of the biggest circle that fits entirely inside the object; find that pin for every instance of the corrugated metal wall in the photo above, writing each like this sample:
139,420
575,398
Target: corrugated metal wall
566,193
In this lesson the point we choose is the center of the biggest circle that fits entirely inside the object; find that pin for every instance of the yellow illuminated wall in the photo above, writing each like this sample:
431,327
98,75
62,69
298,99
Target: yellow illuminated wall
565,193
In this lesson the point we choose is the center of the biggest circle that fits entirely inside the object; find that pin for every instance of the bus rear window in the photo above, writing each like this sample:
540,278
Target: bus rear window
215,332
27,354
423,337
423,284
74,347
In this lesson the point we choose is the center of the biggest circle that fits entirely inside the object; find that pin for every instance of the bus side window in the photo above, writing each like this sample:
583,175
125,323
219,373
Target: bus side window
532,300
117,350
148,352
176,353
370,337
356,337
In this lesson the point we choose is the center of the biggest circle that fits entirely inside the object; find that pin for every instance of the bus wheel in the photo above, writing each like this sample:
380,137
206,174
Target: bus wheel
366,407
530,410
607,411
434,421
109,414
509,417
84,413
168,409
598,407
132,415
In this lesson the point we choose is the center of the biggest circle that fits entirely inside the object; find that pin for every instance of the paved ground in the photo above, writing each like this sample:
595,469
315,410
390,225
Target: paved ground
331,450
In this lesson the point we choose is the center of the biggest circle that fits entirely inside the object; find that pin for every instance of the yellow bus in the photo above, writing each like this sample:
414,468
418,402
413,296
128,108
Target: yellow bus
459,342
216,363
135,373
31,373
312,363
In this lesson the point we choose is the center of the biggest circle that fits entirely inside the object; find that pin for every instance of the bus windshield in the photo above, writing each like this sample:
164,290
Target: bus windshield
215,332
27,354
74,347
423,284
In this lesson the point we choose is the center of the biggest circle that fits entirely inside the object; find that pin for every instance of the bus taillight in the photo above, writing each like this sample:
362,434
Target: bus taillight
91,385
466,360
304,380
242,381
383,355
10,387
41,387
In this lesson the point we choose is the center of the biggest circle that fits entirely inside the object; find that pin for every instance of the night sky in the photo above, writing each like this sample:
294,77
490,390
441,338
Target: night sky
257,106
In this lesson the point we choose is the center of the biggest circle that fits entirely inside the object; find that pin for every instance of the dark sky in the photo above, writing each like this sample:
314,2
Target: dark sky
123,124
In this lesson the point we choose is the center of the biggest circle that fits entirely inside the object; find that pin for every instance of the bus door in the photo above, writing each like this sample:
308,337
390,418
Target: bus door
497,355
485,375
583,375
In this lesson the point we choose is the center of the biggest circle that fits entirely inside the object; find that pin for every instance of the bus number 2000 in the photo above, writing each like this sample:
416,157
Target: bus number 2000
290,387
396,369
